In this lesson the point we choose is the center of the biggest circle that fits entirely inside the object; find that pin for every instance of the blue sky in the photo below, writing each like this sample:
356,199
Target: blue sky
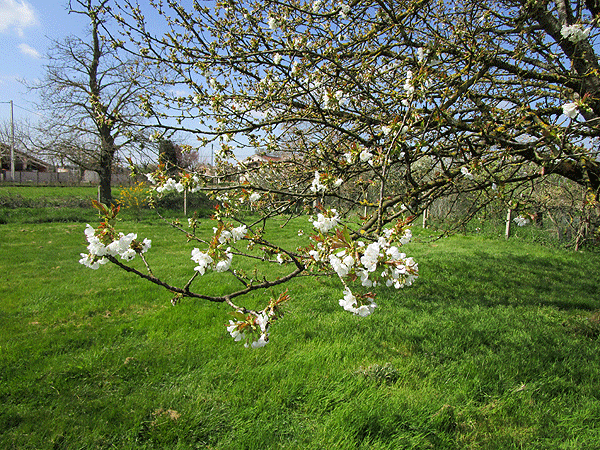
27,28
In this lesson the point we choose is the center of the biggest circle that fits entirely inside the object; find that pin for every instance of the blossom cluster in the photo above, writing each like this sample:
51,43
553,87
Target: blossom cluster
254,197
126,246
326,222
378,262
363,156
253,327
364,260
192,183
321,182
247,329
575,33
350,303
204,260
217,258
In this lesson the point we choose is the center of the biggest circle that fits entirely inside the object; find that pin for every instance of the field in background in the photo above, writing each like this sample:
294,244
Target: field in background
45,204
495,346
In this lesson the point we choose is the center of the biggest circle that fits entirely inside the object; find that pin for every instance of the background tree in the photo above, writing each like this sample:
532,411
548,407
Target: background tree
169,155
24,137
91,96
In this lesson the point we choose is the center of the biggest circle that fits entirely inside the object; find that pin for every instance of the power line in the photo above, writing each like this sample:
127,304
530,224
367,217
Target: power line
29,111
23,108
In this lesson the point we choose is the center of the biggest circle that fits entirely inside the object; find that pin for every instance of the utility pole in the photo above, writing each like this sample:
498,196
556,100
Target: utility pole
12,143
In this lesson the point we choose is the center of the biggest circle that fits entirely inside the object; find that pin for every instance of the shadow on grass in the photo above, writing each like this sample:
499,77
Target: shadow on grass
563,280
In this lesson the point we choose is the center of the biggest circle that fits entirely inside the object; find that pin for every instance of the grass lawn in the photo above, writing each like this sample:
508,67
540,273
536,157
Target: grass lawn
495,346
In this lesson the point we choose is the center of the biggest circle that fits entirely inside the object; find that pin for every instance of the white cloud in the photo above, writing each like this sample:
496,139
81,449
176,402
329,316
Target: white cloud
29,51
180,92
17,14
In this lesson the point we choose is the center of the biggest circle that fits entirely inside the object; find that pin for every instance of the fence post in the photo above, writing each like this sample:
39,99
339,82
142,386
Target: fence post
508,219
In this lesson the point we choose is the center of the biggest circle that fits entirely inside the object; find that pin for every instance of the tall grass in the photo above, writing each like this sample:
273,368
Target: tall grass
495,346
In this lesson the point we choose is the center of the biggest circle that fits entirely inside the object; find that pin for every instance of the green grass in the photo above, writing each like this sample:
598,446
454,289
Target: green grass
67,204
49,192
495,346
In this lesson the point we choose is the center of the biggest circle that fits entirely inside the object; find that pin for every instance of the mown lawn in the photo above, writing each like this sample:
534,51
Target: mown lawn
495,346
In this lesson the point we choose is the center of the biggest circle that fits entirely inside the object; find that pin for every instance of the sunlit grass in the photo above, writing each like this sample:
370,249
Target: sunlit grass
495,346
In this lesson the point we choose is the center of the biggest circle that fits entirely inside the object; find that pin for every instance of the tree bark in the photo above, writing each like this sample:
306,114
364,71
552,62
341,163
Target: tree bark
105,174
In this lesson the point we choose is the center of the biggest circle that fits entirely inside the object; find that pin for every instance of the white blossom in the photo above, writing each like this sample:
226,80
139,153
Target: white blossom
202,259
466,173
121,247
341,266
95,247
406,237
225,236
261,342
316,185
521,221
325,224
239,232
370,257
365,310
224,264
344,10
365,155
146,244
570,110
235,333
254,197
128,254
314,255
575,33
349,303
170,185
91,261
408,87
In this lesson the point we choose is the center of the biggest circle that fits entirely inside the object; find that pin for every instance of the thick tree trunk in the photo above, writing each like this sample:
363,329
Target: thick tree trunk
107,153
105,174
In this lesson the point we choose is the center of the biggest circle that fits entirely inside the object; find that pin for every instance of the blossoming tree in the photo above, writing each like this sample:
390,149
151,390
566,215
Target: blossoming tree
412,100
